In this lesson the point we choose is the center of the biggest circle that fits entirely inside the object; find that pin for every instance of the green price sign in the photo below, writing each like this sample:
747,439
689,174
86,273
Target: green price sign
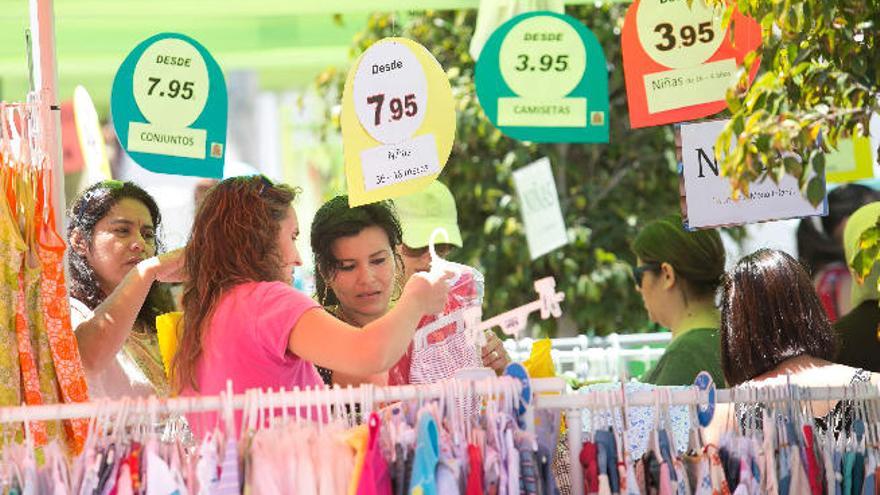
169,107
542,77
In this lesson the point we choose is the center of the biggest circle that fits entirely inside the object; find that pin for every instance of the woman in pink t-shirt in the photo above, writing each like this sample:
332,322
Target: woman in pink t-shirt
243,321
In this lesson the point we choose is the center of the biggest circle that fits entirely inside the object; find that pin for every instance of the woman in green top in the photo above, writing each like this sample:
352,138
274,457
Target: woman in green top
678,274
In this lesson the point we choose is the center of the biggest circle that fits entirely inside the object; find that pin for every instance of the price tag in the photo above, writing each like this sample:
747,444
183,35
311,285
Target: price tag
704,382
169,107
678,61
390,88
683,38
542,59
542,77
398,121
676,35
397,163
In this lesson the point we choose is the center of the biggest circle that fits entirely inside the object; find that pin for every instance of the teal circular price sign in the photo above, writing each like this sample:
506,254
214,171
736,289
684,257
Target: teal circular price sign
542,77
169,107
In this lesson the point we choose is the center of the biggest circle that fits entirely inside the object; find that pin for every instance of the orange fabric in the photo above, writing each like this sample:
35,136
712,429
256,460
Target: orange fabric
43,364
55,308
12,249
30,379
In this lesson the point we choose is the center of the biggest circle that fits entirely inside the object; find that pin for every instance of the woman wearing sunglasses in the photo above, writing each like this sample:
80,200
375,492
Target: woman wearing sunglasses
678,273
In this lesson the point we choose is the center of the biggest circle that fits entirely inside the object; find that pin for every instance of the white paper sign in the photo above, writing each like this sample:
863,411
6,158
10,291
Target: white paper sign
709,195
390,92
539,202
395,163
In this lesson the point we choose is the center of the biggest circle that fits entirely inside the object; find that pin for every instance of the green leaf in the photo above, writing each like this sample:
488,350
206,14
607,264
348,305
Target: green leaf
870,238
793,166
792,53
768,21
864,261
725,18
818,161
733,102
816,191
736,125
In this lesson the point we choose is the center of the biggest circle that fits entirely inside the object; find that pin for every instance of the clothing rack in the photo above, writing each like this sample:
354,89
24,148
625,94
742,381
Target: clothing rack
39,39
574,403
583,341
596,358
548,393
278,399
44,77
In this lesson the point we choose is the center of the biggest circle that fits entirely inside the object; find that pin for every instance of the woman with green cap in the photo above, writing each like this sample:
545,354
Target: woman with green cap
420,214
858,332
678,273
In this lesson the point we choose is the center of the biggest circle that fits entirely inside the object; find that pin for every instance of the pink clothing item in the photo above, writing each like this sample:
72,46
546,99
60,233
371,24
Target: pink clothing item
334,461
800,483
229,483
375,478
716,472
246,342
813,470
399,373
769,481
123,484
604,485
265,477
665,480
300,443
446,350
831,280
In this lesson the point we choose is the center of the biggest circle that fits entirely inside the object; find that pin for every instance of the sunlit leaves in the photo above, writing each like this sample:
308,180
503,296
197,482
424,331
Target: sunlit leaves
819,78
868,253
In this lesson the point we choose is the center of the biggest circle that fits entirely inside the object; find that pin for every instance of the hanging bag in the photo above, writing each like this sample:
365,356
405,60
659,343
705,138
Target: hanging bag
441,345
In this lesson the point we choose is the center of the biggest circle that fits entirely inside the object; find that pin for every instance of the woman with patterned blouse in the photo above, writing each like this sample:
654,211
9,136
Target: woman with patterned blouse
115,294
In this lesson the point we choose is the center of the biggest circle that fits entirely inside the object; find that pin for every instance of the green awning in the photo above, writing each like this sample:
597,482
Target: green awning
288,42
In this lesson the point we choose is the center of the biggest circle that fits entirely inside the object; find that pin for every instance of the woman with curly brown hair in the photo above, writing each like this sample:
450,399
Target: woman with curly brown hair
115,297
244,322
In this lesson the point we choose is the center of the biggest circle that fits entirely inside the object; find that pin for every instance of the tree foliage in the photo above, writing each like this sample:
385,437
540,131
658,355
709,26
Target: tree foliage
820,70
820,83
606,190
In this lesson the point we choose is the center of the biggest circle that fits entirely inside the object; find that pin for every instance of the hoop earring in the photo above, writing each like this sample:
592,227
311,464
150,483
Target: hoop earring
400,270
398,288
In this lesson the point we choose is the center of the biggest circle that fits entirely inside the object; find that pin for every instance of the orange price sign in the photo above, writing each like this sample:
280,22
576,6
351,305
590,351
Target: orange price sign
678,61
